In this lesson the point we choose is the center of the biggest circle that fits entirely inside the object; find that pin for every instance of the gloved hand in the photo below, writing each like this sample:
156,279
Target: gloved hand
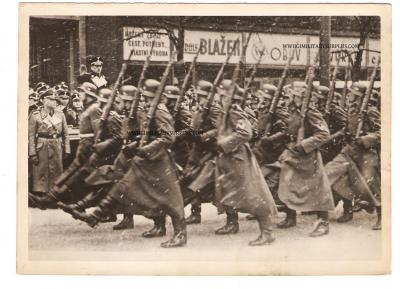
298,148
100,148
35,160
130,149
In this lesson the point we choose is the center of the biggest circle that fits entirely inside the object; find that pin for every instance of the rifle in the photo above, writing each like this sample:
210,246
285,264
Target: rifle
156,101
218,78
110,102
346,80
306,100
136,99
331,89
253,74
364,106
185,83
235,78
277,95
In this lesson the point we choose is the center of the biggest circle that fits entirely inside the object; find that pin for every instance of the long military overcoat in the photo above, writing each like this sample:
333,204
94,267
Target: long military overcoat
303,184
48,140
239,180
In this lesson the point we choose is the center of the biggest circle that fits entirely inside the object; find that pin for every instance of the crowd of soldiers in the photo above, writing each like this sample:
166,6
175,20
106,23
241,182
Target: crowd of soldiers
153,149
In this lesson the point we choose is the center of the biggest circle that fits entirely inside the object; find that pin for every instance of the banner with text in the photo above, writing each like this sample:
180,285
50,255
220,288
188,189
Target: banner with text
214,46
140,39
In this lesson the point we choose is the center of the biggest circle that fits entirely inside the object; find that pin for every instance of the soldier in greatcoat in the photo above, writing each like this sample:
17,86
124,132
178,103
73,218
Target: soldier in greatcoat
355,171
48,143
240,185
336,119
199,181
151,182
303,183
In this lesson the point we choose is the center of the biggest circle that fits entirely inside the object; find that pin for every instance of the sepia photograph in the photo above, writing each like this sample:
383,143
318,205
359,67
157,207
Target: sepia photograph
204,139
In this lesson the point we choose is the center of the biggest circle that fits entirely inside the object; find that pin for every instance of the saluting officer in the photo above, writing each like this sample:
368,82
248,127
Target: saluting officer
48,143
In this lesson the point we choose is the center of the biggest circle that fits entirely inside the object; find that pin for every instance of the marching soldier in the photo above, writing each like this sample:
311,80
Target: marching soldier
355,171
105,176
48,143
335,118
271,144
182,125
95,76
152,181
199,180
240,185
303,184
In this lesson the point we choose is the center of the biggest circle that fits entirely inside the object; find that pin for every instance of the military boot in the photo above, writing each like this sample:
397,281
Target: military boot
180,236
347,212
126,223
251,218
290,220
195,217
103,211
68,208
321,228
231,226
266,236
378,225
158,230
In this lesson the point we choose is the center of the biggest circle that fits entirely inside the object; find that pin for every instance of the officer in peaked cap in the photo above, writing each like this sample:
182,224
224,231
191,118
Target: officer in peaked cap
39,86
48,132
63,98
75,110
95,76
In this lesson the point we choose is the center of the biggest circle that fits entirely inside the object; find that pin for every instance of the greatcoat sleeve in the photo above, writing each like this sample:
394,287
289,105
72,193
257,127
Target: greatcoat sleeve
372,137
164,124
318,130
241,132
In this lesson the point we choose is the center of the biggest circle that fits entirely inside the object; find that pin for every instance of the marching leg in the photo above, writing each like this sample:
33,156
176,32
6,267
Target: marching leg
232,224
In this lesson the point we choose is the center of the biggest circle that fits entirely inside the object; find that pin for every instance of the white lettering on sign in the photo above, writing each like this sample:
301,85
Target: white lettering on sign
274,50
141,39
214,46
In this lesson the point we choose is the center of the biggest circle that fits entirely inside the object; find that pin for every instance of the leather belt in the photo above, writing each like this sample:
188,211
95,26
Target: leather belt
53,136
85,135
